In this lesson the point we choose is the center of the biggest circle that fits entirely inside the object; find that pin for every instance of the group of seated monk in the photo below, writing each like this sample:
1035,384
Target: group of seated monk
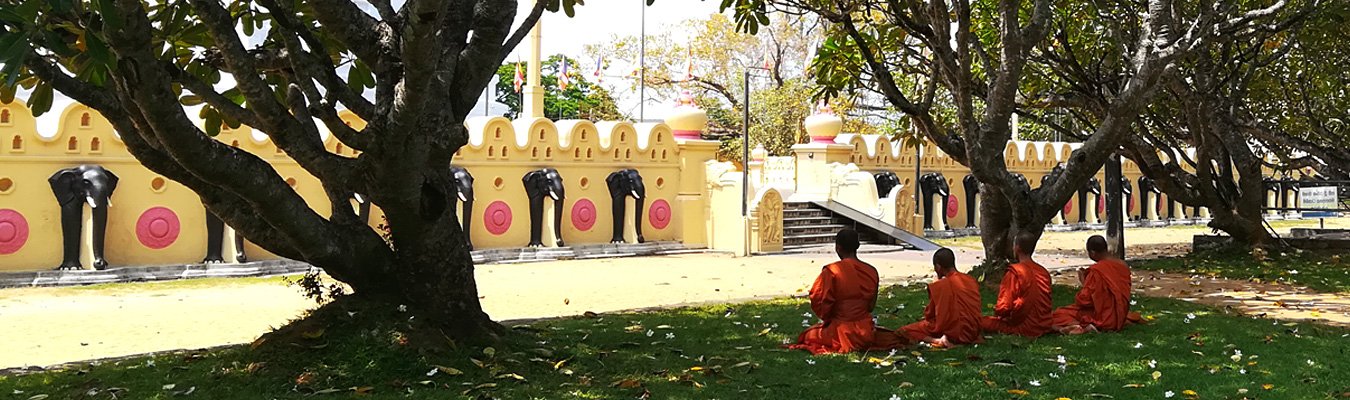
845,293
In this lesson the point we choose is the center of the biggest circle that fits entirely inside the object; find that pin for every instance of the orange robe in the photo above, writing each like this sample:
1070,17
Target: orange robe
953,311
1023,306
843,297
1104,300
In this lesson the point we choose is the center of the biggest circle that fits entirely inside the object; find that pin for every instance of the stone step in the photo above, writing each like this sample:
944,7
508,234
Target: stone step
805,213
811,229
799,221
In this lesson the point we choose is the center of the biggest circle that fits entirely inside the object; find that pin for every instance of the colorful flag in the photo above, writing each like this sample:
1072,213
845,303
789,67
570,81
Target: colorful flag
689,65
599,69
562,75
520,78
768,63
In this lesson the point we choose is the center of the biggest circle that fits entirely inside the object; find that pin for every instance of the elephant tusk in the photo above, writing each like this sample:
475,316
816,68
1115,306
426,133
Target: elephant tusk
635,195
90,199
461,197
358,197
553,195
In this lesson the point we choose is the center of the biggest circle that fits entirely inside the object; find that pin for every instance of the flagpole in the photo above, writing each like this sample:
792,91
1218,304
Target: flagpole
642,66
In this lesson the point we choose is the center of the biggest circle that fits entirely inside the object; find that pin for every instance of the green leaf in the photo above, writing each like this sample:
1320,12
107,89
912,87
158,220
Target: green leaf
41,99
212,121
108,10
7,93
190,100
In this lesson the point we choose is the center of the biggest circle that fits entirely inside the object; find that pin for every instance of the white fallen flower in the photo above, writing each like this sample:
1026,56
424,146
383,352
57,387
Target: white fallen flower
1152,364
1169,394
1034,383
650,333
810,362
670,335
1138,345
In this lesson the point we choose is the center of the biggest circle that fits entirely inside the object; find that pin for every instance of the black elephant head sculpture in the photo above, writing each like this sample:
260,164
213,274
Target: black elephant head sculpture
1093,186
1147,188
74,187
931,184
215,235
622,184
1053,175
540,183
1288,185
1126,193
972,187
1022,179
463,193
886,181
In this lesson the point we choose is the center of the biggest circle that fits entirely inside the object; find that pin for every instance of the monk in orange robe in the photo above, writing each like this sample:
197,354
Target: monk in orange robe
843,297
1103,303
1023,306
953,313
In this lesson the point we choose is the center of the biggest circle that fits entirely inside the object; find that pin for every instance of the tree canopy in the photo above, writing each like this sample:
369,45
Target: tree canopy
274,66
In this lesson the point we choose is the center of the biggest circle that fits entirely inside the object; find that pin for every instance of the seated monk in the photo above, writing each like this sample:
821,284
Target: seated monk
1103,303
1023,306
843,297
953,312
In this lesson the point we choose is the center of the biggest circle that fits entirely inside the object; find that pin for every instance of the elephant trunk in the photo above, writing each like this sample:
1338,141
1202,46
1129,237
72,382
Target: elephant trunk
467,217
215,233
71,215
616,209
637,218
536,221
557,220
100,225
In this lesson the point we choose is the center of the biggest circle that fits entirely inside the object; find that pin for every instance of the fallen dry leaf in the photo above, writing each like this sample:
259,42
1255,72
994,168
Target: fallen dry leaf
1018,392
448,371
627,383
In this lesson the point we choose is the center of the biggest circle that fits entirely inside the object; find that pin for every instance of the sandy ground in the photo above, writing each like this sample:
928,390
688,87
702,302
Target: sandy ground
44,326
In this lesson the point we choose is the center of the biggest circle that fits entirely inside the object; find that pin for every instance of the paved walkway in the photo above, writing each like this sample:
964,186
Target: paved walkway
44,326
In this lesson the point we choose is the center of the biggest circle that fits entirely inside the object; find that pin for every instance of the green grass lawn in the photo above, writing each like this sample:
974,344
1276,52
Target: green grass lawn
731,352
1322,271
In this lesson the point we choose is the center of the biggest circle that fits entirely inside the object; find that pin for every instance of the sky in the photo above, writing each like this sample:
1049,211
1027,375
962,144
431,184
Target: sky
597,21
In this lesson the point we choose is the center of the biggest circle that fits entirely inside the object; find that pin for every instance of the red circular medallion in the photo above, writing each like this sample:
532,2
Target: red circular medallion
157,228
497,217
583,214
659,215
13,231
953,206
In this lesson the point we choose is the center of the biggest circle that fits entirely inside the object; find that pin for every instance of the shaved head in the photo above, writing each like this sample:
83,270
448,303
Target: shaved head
846,242
944,258
1096,244
1026,242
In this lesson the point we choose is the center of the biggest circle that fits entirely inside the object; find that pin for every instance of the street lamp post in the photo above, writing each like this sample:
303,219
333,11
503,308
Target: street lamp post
745,156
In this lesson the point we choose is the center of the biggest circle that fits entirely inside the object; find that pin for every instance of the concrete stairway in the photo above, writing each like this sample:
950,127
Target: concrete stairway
804,224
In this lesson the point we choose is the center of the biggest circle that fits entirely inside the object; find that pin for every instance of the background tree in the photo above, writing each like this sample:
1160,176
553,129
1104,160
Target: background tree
958,70
1205,103
583,99
781,94
136,62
